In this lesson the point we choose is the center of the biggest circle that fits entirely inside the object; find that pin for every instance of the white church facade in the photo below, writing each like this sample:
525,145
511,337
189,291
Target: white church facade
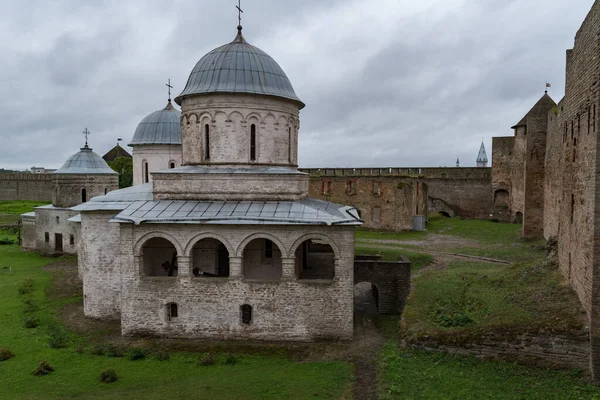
224,241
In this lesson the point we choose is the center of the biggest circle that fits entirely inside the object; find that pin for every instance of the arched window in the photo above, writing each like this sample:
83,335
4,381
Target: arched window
290,144
172,164
210,258
315,259
246,313
172,311
105,190
159,258
83,195
206,142
252,142
262,260
57,219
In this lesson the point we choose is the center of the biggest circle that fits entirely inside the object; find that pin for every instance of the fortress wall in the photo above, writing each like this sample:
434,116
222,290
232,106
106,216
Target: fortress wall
553,179
502,151
25,186
404,192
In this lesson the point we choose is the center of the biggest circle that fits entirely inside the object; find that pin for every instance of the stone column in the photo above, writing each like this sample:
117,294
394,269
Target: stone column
235,267
138,261
183,266
288,268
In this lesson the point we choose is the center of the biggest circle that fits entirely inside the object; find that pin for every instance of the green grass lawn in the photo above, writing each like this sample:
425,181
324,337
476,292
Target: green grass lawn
77,375
411,374
468,298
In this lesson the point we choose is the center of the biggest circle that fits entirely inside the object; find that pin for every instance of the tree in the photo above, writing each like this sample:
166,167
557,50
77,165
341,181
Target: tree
124,166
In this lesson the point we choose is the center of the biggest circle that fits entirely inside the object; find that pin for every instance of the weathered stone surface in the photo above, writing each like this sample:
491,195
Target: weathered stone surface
155,158
23,186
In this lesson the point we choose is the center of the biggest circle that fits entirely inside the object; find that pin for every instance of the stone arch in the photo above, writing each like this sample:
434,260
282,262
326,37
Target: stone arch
392,280
262,258
518,217
193,118
314,260
240,250
205,115
319,236
235,116
207,235
254,116
359,298
282,121
159,257
137,248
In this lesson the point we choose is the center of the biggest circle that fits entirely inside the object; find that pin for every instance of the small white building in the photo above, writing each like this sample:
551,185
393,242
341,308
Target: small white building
83,176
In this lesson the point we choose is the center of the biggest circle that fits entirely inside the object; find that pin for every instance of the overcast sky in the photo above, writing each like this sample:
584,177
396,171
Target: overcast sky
385,82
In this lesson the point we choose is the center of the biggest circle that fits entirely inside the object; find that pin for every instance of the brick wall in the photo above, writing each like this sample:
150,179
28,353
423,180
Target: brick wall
23,186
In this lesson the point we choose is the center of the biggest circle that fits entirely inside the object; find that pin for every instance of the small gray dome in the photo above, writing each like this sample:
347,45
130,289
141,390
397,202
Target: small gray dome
160,127
239,67
85,162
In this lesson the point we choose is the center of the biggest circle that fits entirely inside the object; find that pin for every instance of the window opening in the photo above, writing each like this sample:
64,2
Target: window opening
246,311
572,206
253,142
47,237
206,142
58,242
105,190
83,195
172,311
145,168
172,165
268,248
71,240
57,219
350,187
376,188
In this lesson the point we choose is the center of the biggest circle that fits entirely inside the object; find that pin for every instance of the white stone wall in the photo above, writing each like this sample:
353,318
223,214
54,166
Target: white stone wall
100,260
29,238
55,221
283,309
68,187
230,117
158,157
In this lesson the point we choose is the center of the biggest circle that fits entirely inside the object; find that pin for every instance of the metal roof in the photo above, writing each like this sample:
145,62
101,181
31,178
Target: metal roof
117,199
239,67
160,127
306,212
85,162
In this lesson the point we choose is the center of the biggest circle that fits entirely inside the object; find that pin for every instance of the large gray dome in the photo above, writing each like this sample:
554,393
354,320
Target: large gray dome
85,162
160,127
239,67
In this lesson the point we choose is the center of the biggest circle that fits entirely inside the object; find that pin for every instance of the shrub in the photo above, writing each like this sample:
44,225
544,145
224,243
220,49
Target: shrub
5,241
230,359
97,350
206,359
43,369
113,351
58,337
80,349
108,376
137,354
29,306
26,286
162,355
31,322
6,354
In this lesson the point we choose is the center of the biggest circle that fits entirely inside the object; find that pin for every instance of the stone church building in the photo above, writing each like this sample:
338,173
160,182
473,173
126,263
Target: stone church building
218,238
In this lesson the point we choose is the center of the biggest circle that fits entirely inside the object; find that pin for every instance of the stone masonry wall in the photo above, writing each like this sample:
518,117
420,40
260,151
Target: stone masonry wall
209,307
23,186
554,350
50,221
575,131
553,179
157,157
100,264
403,192
392,280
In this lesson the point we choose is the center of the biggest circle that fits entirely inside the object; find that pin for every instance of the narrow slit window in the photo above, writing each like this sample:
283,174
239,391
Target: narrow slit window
71,240
47,237
206,142
83,195
145,168
105,190
252,142
246,311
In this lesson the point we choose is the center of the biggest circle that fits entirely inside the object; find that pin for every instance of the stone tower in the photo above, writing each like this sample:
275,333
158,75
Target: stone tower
156,143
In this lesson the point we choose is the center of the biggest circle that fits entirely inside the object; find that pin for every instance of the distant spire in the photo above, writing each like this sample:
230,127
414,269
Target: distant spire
482,159
457,162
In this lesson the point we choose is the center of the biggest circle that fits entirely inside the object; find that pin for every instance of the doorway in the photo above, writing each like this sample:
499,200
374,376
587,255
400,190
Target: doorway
58,243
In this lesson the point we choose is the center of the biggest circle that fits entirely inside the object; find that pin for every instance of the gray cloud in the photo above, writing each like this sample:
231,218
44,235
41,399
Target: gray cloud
386,82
